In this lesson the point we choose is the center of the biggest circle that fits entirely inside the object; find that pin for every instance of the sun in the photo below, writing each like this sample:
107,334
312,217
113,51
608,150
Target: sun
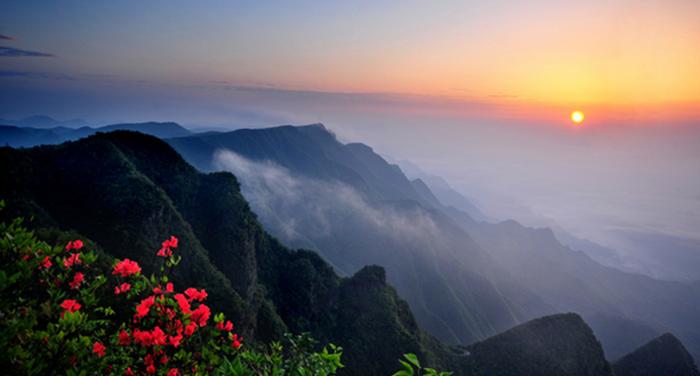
577,117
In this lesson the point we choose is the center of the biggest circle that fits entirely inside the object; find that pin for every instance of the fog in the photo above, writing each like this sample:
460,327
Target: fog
612,177
290,204
604,183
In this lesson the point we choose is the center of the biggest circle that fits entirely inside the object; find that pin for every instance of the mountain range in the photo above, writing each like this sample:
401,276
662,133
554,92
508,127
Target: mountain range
23,136
465,280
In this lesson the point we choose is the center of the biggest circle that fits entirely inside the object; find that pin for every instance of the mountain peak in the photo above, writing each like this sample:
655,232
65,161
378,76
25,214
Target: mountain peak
560,344
664,355
318,126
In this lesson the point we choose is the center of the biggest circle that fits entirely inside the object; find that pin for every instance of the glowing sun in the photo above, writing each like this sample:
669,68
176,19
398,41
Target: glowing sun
577,117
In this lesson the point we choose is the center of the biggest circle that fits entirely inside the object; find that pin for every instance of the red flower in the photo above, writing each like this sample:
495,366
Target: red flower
193,294
175,340
77,280
183,303
227,327
45,263
236,341
124,287
151,369
145,306
167,246
74,258
142,338
164,252
201,315
75,244
172,242
129,372
158,337
124,338
164,359
173,372
168,289
126,268
190,328
98,349
70,305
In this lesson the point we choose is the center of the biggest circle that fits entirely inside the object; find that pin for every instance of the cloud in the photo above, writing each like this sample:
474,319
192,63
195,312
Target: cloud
291,205
6,37
16,52
30,74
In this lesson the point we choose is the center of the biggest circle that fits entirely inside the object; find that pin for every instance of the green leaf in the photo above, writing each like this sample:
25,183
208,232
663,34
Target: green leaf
413,359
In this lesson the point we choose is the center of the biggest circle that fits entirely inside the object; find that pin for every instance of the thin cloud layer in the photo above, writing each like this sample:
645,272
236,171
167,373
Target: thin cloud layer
289,204
16,52
30,74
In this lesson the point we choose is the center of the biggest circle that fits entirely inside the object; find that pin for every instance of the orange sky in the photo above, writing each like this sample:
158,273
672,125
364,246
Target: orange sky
627,58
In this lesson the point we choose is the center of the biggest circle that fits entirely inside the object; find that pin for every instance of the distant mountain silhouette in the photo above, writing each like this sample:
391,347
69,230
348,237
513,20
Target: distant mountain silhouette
43,121
158,129
664,355
442,190
26,136
665,256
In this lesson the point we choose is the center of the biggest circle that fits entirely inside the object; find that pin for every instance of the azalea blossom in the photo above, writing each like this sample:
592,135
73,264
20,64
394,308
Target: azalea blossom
124,338
193,294
236,341
158,337
124,287
126,268
70,305
145,306
167,246
142,338
190,328
183,303
69,261
228,326
99,349
175,340
45,263
75,244
201,315
77,280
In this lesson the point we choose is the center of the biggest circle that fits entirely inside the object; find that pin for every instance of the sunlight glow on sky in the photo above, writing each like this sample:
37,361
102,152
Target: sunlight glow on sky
606,55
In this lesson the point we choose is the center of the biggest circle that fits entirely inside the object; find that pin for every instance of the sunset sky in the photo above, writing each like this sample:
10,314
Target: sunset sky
528,58
479,92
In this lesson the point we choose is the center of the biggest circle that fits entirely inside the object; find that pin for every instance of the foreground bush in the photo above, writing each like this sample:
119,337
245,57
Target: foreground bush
54,319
